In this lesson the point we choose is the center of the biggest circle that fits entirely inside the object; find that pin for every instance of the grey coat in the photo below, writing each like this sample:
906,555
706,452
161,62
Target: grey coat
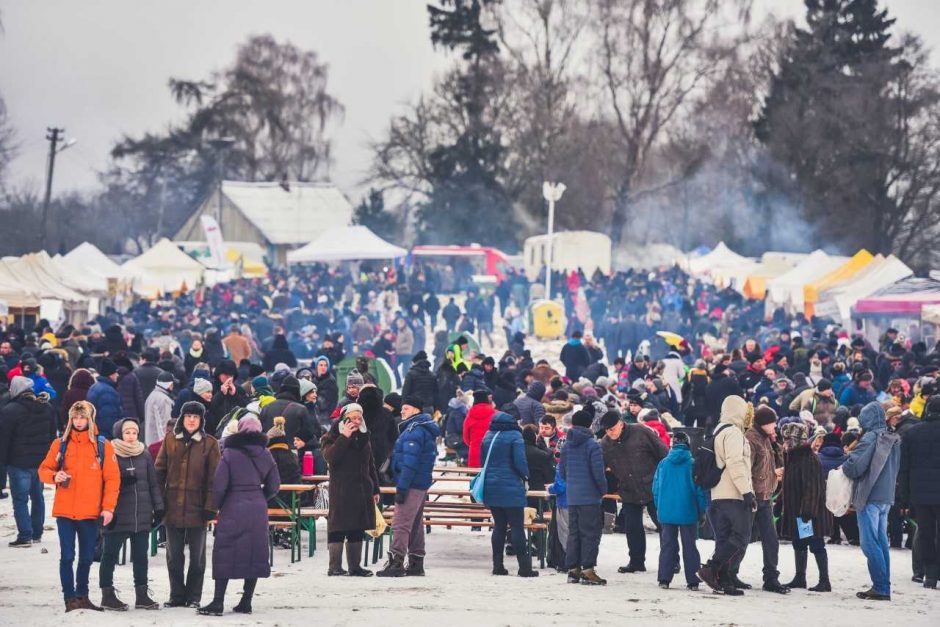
875,462
140,495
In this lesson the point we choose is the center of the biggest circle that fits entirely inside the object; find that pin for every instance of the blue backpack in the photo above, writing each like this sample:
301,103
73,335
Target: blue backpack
64,443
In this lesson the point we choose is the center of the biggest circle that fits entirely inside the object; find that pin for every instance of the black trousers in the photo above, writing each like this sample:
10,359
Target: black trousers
584,535
636,534
177,540
513,518
731,522
770,545
347,536
927,542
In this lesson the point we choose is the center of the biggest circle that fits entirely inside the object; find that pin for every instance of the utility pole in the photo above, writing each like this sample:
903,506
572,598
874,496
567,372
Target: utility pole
53,135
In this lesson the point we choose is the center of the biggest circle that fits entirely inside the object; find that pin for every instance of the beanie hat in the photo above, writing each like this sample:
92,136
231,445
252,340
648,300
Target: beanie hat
582,418
306,387
832,439
194,408
604,382
480,396
259,382
351,407
107,368
823,385
419,356
249,423
201,386
354,378
281,367
932,408
255,370
764,415
413,401
610,419
165,379
852,424
277,431
393,400
647,414
19,385
291,385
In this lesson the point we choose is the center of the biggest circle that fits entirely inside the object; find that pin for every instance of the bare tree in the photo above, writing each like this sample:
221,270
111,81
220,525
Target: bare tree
8,146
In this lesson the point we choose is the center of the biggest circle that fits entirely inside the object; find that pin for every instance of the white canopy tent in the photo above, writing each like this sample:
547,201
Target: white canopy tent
717,258
34,276
881,272
346,243
163,268
787,289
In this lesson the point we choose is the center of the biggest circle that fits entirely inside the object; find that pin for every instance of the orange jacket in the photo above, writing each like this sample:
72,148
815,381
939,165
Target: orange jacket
91,489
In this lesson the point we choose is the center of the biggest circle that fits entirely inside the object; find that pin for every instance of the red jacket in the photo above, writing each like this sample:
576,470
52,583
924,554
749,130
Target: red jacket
660,430
475,426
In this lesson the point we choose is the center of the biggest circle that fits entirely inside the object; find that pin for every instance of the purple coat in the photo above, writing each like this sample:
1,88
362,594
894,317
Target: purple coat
244,482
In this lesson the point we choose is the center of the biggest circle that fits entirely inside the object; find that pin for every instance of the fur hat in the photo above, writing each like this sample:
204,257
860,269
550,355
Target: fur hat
193,408
351,407
852,424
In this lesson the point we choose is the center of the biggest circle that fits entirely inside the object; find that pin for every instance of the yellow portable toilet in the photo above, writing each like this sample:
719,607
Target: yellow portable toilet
547,319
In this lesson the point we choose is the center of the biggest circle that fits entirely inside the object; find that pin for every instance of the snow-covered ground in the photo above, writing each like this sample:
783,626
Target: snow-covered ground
459,590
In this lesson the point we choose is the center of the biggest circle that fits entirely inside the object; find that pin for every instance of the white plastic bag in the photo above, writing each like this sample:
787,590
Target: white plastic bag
838,492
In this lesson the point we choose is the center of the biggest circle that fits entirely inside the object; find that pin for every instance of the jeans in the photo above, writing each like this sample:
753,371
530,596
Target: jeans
873,531
584,535
408,525
927,542
76,584
513,518
109,556
25,486
636,534
177,539
669,552
731,522
770,545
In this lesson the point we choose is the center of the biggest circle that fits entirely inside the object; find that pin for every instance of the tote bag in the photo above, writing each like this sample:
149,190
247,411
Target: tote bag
476,484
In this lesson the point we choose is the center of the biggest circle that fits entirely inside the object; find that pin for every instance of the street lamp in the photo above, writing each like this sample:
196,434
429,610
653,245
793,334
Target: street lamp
552,193
53,136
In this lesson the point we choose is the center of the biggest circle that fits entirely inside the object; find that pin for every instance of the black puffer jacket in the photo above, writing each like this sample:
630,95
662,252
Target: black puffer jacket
379,422
421,382
140,495
919,476
27,426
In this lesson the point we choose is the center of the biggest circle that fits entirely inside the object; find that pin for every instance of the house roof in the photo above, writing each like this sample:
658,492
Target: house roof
296,215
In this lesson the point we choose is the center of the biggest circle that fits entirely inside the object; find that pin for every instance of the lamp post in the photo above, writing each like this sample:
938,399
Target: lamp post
53,136
552,193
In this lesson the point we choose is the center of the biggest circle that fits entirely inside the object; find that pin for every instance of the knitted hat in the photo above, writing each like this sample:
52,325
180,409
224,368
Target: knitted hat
832,439
823,385
351,407
604,382
354,378
413,401
107,368
291,385
419,356
19,385
393,400
193,408
582,418
201,386
306,387
277,431
764,415
481,396
648,414
610,419
165,380
125,423
249,423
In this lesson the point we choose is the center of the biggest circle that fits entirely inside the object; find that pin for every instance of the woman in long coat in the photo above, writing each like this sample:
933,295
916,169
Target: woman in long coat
245,480
354,490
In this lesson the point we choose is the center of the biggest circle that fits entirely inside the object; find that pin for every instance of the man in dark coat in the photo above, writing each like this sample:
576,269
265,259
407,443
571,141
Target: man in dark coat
450,314
632,452
379,422
919,487
540,460
104,396
575,357
148,371
227,396
722,385
530,404
27,425
287,403
132,399
421,382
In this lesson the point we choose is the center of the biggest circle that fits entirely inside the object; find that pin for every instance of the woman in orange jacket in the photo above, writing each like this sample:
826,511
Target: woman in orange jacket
87,479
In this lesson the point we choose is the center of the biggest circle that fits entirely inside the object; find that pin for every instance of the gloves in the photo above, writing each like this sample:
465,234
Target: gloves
749,501
157,519
399,498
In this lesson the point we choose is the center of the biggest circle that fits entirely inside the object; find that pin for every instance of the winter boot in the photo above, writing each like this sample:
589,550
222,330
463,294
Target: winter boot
632,568
215,608
708,574
109,601
84,603
774,585
740,585
800,557
394,567
822,562
525,565
574,575
248,591
590,578
728,588
415,566
143,600
336,560
353,558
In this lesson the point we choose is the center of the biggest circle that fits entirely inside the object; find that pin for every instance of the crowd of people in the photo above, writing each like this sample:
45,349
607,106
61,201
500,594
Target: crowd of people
191,411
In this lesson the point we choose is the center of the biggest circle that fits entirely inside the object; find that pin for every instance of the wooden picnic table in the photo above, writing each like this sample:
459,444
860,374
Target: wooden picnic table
315,478
457,470
294,513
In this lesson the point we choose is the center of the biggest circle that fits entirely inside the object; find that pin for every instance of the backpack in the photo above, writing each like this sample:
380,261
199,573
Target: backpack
705,471
63,445
838,492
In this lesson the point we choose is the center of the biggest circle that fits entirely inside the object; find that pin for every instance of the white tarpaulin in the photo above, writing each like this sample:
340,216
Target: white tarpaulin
718,257
881,272
346,243
163,268
787,289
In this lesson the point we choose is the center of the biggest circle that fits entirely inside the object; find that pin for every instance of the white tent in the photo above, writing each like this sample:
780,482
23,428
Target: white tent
163,268
787,289
883,271
33,277
718,257
89,259
346,243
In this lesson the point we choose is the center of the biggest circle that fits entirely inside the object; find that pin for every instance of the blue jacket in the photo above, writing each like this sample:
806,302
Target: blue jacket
678,500
839,382
582,468
854,395
530,405
507,469
877,442
831,457
41,384
108,409
559,489
415,452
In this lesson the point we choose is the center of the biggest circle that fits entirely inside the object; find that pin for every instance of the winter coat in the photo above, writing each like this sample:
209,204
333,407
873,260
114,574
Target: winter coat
295,415
158,410
822,407
79,384
421,382
288,470
415,453
560,489
506,466
380,424
830,458
504,388
678,500
733,455
804,493
353,480
327,390
93,487
530,405
919,478
660,430
632,459
132,397
222,405
246,477
448,381
763,463
695,405
475,426
474,380
108,407
27,425
878,447
404,341
541,463
853,394
721,387
185,470
575,358
147,374
582,468
139,496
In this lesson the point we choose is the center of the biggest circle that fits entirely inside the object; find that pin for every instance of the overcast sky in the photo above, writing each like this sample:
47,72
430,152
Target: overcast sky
100,68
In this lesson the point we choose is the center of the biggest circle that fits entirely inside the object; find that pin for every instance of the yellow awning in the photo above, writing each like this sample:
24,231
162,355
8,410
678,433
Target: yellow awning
843,273
755,286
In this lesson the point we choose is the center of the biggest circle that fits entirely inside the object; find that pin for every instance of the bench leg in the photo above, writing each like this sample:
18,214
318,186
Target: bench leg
270,546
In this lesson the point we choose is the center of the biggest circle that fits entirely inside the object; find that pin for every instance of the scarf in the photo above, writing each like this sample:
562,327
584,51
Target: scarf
127,449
